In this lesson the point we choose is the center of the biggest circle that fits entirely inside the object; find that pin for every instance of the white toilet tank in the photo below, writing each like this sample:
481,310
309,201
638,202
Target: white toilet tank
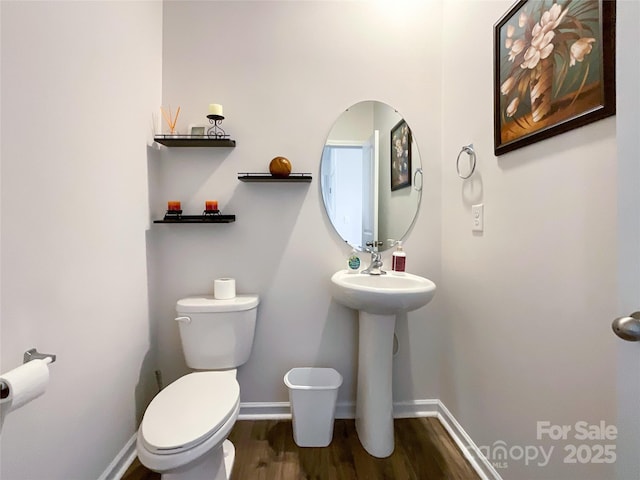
217,334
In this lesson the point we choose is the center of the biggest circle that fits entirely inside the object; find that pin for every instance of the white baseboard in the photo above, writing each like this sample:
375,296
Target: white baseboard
121,462
416,409
265,411
282,411
468,448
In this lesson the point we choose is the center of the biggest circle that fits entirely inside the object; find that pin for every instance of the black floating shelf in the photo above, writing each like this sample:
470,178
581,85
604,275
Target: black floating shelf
193,141
267,177
199,219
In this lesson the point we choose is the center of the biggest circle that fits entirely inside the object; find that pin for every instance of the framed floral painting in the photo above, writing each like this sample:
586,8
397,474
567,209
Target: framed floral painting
554,69
400,156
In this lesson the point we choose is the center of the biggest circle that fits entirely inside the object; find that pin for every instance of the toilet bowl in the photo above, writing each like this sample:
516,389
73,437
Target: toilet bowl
184,430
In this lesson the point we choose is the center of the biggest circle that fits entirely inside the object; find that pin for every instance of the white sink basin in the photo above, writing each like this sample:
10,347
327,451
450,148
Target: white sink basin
381,294
378,299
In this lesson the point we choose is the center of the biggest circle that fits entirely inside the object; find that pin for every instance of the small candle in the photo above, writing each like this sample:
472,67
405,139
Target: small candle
211,205
215,109
173,205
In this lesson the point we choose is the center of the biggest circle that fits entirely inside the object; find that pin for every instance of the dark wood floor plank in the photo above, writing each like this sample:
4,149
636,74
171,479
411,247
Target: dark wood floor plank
137,471
265,450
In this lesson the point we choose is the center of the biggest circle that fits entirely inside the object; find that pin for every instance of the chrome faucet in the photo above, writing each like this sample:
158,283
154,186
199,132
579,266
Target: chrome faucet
375,267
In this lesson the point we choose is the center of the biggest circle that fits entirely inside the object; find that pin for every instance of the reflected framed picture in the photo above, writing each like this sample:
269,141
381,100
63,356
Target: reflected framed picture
554,69
400,156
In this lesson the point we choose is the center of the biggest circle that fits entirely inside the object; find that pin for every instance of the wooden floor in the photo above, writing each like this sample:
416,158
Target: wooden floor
265,450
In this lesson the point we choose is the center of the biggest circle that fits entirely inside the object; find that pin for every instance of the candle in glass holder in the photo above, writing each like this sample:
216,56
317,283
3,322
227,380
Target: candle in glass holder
211,205
173,205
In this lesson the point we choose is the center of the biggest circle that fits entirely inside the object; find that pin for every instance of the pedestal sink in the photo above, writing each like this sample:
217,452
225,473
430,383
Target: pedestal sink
378,298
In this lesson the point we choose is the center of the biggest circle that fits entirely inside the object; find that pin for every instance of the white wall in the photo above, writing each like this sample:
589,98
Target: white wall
284,72
530,301
79,83
354,124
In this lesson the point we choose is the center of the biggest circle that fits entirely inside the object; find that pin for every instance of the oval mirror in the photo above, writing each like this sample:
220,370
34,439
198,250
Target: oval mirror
371,176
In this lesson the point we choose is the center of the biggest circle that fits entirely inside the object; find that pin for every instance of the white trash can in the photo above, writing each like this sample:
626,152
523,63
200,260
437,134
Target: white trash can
313,393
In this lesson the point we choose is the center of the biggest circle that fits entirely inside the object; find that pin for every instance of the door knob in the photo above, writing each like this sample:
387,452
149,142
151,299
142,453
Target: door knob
628,328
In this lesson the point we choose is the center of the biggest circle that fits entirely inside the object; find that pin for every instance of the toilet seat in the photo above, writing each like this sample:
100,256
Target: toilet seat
212,446
189,411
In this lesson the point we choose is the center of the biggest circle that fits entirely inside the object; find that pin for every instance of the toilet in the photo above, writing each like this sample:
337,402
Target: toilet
183,434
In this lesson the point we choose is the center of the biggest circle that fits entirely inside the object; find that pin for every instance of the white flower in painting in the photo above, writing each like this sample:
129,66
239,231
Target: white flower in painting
516,48
549,21
508,84
513,106
399,149
509,41
522,19
542,36
541,47
405,134
551,18
579,49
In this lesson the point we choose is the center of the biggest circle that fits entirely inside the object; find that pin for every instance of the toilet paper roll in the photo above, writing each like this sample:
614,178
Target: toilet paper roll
224,288
23,384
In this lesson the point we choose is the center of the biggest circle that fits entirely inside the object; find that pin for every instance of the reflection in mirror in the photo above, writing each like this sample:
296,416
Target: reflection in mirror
371,176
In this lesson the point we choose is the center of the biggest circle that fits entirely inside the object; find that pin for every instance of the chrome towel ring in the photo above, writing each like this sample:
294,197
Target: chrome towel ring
468,149
416,186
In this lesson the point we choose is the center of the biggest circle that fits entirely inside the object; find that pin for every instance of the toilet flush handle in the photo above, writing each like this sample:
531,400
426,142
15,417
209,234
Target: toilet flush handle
183,319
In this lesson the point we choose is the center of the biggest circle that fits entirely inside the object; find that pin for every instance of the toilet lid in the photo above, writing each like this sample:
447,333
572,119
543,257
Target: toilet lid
189,411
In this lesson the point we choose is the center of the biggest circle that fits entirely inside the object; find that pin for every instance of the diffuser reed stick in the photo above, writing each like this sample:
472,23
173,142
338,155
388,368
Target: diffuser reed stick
171,121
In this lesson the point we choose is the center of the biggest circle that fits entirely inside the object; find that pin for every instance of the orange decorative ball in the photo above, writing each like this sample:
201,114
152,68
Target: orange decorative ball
280,167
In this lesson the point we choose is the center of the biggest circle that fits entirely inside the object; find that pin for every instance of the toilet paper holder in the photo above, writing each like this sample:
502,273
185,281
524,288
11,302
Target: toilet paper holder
31,354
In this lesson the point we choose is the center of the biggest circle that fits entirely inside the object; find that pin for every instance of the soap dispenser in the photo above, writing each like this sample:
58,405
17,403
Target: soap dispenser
398,259
353,262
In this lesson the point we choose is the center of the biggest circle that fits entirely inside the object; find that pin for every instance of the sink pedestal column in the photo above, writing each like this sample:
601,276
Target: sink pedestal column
374,400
